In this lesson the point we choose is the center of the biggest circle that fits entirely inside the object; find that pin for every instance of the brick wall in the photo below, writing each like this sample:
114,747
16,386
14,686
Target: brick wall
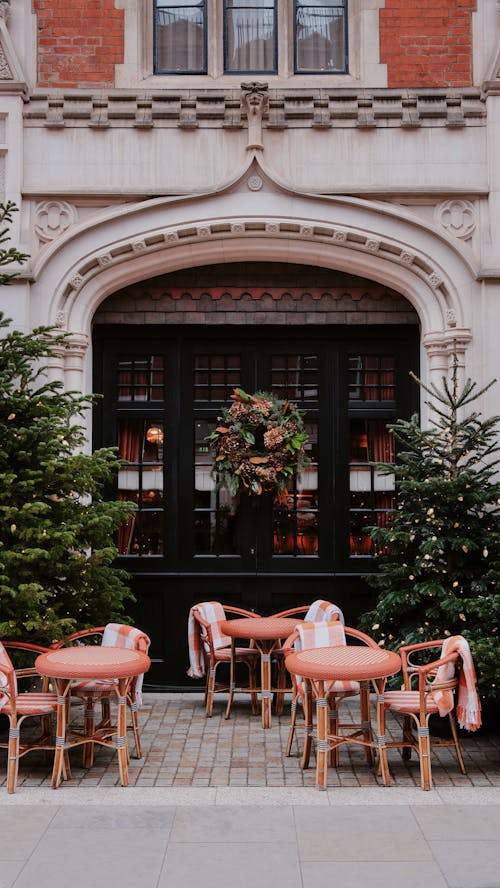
79,42
427,43
256,294
131,306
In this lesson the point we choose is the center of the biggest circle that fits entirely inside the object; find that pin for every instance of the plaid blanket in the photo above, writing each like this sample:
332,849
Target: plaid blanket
212,612
329,633
468,707
323,610
5,686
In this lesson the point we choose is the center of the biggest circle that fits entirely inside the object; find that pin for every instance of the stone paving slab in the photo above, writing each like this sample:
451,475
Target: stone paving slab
301,847
184,749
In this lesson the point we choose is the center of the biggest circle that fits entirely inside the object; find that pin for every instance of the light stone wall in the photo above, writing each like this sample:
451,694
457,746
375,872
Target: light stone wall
399,187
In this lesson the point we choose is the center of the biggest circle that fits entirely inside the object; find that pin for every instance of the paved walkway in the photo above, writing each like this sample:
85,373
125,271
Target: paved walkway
182,748
215,803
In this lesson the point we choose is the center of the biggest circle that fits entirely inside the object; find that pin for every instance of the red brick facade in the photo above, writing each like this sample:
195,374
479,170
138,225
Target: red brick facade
427,43
79,42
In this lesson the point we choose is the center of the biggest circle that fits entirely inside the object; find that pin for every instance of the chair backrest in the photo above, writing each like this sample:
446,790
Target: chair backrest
320,634
214,614
8,682
320,611
204,623
122,636
468,705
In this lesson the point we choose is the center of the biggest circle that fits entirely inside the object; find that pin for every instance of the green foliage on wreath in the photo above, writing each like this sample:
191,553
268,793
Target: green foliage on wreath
259,444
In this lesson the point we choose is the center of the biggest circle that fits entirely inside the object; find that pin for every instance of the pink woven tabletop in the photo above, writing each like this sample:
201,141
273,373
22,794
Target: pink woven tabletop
260,628
344,663
92,661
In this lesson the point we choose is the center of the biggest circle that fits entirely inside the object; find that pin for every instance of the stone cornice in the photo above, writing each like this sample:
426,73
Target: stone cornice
317,108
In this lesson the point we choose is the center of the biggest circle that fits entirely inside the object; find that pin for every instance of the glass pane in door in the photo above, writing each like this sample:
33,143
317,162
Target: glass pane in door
140,480
214,513
295,515
371,490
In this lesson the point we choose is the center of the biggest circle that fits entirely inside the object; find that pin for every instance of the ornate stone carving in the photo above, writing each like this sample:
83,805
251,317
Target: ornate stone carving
76,281
457,216
373,246
254,183
255,100
52,218
339,236
105,260
272,228
238,228
60,319
4,9
171,237
435,281
451,317
5,71
306,230
203,232
139,246
406,258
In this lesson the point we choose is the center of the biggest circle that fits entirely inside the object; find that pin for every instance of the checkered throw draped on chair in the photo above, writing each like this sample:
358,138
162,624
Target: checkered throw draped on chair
212,612
5,687
323,634
468,707
321,611
121,636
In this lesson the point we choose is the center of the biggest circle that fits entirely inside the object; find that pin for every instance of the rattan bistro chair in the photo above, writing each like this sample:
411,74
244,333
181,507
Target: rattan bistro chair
332,633
444,686
18,706
209,649
91,691
319,611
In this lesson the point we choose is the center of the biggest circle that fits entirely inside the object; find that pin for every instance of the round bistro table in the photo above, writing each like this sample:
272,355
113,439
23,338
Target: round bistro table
118,665
266,633
320,666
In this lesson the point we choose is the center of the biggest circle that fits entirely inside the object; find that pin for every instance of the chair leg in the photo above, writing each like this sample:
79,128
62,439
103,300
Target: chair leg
454,734
135,729
407,738
424,754
333,730
366,724
13,756
280,685
106,711
291,732
210,691
88,730
252,681
307,705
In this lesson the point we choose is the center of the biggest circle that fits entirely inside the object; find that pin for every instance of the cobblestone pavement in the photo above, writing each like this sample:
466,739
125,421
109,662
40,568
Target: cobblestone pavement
182,748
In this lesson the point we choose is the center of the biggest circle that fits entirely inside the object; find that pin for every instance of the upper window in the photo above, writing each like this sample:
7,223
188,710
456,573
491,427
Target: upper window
180,36
250,36
254,36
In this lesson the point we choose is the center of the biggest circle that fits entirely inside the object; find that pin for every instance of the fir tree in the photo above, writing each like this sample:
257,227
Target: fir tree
8,255
57,548
439,555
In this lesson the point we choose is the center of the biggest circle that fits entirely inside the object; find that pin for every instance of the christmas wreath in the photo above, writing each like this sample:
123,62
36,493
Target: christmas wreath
259,445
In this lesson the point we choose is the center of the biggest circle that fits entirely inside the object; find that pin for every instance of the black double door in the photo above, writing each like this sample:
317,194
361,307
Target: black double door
164,390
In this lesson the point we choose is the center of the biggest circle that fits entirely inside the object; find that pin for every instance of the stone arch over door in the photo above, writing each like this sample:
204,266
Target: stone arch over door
374,241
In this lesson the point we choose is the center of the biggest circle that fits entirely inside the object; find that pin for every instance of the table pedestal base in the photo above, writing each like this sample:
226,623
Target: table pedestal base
328,740
103,736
